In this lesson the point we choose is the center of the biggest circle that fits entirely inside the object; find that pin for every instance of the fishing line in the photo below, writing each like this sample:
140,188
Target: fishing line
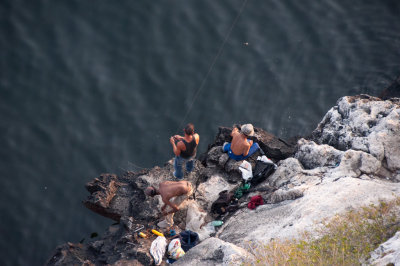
134,166
208,72
137,166
212,65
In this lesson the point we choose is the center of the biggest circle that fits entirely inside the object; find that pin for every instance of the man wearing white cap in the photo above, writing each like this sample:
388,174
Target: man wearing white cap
241,147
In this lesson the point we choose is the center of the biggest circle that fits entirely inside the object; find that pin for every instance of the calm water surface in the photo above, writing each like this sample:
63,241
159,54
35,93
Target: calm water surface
88,87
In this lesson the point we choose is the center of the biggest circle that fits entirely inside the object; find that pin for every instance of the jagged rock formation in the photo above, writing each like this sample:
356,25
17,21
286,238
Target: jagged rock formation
214,251
351,159
364,124
387,253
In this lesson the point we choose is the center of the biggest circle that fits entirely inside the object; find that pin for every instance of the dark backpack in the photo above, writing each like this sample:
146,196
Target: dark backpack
188,239
261,171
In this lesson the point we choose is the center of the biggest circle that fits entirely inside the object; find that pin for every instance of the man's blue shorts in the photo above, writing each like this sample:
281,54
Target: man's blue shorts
253,149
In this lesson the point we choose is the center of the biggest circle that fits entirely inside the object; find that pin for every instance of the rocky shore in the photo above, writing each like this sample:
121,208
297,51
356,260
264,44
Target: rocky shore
351,159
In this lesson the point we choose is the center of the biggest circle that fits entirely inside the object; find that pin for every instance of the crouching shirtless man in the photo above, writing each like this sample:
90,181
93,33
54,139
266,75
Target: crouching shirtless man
173,194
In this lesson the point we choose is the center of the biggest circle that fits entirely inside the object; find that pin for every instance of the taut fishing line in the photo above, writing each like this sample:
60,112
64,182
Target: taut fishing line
212,64
208,72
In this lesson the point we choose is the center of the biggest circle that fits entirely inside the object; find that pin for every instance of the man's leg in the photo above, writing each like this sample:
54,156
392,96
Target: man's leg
178,167
226,147
189,166
253,149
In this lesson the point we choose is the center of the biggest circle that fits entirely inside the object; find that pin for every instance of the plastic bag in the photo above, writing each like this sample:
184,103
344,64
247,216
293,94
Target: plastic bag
263,168
245,168
264,159
157,249
175,250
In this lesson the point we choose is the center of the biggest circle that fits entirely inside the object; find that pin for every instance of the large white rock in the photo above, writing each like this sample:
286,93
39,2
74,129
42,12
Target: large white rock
214,252
354,164
356,149
290,174
196,220
367,124
387,253
208,192
312,155
289,218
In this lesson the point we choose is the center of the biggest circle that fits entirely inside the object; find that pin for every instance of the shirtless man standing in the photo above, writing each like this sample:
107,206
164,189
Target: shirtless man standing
241,147
172,193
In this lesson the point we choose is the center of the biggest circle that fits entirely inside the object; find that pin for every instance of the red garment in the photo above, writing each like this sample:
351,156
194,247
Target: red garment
255,201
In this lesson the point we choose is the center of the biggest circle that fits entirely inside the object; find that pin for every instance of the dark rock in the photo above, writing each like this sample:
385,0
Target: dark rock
103,190
72,254
224,135
118,246
232,168
213,156
392,91
116,197
275,148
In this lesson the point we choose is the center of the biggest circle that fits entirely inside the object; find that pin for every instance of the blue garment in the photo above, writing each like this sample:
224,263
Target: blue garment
253,149
178,166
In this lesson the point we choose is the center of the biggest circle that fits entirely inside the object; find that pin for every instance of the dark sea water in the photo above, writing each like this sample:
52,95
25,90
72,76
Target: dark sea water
89,86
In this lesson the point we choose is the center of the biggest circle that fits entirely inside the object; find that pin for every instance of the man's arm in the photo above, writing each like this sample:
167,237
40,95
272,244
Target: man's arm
175,147
173,206
247,149
234,131
197,138
178,137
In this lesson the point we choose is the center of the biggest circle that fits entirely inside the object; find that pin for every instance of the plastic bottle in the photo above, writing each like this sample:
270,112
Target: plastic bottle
157,233
217,223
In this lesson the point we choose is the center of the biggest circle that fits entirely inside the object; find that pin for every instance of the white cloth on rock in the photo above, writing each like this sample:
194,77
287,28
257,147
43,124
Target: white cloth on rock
158,248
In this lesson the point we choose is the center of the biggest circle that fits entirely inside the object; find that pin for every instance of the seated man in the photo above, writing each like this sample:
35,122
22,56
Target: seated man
241,147
173,194
184,149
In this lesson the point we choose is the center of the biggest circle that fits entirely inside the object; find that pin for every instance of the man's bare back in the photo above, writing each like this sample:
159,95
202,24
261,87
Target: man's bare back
239,144
169,189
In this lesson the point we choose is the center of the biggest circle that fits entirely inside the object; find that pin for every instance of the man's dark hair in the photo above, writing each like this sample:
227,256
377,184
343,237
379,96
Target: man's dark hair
189,129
